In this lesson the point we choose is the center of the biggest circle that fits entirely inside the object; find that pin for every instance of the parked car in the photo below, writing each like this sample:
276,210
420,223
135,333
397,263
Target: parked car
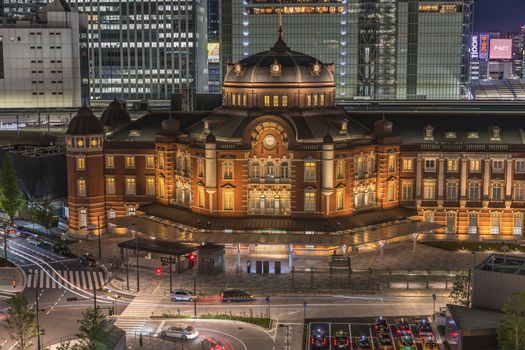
341,341
385,341
87,259
12,232
235,295
363,343
424,328
182,295
181,331
319,339
34,241
381,325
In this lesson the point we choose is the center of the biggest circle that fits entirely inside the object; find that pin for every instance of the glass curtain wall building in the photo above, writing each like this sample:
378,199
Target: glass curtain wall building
382,49
141,50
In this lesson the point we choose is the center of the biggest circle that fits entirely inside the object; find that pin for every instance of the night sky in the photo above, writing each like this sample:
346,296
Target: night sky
499,15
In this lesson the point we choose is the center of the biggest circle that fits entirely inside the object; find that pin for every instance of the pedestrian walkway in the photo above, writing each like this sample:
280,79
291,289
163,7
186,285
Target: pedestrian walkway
82,279
134,317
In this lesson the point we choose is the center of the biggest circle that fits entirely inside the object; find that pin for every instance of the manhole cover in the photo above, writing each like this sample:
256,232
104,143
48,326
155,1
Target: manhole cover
239,328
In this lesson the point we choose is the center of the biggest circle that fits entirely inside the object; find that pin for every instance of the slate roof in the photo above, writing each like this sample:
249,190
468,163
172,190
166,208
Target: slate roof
84,123
474,319
411,128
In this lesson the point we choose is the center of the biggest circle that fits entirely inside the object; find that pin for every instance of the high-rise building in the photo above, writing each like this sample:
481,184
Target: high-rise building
389,49
43,59
148,50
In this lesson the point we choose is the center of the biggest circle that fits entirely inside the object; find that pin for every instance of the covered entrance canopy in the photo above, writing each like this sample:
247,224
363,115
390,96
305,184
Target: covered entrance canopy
171,231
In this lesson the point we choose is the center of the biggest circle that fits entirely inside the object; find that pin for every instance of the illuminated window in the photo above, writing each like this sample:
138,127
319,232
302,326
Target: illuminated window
276,101
129,162
340,169
520,166
130,185
150,186
150,162
474,190
497,191
200,167
340,199
519,191
408,165
452,165
495,221
244,100
429,190
452,191
110,161
284,101
110,185
450,222
81,163
407,190
161,160
266,101
391,163
111,214
309,171
391,190
316,100
81,187
162,186
201,197
472,223
284,170
131,211
308,100
518,223
497,166
475,165
309,200
227,169
227,199
321,99
255,170
82,218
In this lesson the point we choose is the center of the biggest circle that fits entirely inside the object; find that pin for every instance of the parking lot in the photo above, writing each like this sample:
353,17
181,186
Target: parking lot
366,333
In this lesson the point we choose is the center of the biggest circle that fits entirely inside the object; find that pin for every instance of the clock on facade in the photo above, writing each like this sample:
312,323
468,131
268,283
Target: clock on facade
269,141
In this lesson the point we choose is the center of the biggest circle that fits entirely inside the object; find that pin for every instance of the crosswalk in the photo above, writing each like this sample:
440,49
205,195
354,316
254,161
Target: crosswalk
50,279
134,318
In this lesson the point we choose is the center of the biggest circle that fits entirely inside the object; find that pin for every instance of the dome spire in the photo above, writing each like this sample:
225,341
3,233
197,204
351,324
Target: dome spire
280,45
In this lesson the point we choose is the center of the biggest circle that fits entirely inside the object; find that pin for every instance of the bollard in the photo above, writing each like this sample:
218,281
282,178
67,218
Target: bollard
140,340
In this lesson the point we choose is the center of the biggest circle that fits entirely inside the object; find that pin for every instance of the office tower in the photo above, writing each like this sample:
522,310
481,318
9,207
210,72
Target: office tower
44,59
389,49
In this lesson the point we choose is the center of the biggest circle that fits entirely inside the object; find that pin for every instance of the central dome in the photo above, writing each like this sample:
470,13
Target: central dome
279,65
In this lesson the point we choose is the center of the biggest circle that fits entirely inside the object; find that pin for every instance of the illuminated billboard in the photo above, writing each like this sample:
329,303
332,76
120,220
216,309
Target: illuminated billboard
474,47
500,49
213,52
484,46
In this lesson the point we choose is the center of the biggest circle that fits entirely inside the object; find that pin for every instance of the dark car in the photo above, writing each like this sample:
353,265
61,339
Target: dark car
363,343
423,328
235,295
385,341
319,339
87,259
403,328
61,249
381,325
341,341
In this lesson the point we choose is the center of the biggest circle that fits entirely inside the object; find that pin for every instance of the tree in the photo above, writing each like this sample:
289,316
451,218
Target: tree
90,330
20,323
511,329
462,288
11,198
43,214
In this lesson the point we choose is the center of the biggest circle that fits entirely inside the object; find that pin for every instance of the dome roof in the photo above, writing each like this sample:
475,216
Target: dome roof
115,115
170,127
84,123
279,65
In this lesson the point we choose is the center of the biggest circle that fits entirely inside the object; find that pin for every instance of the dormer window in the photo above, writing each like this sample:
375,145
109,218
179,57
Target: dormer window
450,135
495,133
472,135
429,133
135,133
344,127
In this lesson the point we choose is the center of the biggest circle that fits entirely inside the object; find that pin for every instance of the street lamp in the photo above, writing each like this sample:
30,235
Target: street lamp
99,243
434,297
136,254
37,310
268,301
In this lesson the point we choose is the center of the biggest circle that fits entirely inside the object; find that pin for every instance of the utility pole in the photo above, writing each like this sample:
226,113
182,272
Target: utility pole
195,297
171,277
5,241
127,266
94,298
137,255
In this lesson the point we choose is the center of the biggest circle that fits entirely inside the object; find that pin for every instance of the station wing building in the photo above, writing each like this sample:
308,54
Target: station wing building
279,157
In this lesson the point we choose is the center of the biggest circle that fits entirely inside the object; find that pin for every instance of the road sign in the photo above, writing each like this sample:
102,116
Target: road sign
167,260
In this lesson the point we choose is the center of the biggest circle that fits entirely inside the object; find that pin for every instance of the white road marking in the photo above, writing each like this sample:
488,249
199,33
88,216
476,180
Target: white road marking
159,328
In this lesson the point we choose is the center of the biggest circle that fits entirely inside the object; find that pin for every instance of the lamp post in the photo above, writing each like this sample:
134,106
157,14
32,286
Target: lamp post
127,267
136,255
99,243
37,310
434,297
5,241
268,302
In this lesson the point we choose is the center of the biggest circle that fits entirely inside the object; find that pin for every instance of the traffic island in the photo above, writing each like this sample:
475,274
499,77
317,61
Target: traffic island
261,320
12,278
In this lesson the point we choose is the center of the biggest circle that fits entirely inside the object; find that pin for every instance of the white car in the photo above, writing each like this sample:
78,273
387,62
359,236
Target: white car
180,331
182,295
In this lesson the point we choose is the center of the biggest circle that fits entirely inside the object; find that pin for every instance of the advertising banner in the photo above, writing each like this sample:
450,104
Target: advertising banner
500,49
484,46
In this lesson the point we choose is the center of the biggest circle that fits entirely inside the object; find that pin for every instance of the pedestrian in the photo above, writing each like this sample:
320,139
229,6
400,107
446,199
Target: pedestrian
140,340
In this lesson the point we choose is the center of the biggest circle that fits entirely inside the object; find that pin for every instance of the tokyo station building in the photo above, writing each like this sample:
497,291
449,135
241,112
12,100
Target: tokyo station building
279,163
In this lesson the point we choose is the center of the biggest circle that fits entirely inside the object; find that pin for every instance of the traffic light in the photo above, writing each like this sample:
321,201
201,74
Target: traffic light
191,260
158,271
13,283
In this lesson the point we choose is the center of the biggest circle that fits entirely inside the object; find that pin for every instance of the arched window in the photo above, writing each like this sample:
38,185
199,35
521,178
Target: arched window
162,186
270,170
254,170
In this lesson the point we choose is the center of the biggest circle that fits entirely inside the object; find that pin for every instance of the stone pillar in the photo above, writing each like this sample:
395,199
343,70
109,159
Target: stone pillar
508,184
238,257
345,249
414,241
381,248
441,182
211,168
327,174
463,184
486,182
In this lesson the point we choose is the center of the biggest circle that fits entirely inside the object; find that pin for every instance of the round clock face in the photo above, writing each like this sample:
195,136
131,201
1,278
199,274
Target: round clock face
317,68
238,68
269,141
275,68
